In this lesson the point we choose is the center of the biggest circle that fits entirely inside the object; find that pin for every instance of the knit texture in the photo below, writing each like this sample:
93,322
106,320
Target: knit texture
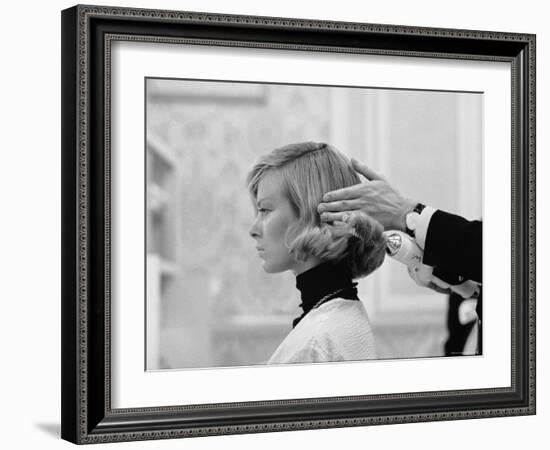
338,330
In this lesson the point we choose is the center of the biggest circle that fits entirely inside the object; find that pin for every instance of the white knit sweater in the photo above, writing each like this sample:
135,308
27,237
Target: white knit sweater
339,330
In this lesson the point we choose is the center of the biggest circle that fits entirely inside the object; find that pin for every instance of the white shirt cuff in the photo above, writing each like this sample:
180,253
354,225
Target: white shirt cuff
422,226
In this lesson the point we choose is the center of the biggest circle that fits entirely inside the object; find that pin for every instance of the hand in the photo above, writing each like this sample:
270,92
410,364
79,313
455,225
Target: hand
375,197
430,285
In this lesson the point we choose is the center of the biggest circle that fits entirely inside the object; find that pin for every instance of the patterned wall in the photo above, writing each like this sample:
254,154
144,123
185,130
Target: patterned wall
221,300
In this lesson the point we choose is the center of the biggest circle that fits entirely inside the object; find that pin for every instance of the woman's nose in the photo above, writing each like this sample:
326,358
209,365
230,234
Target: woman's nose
254,229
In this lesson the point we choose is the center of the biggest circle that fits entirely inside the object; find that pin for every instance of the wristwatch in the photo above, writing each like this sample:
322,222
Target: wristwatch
411,219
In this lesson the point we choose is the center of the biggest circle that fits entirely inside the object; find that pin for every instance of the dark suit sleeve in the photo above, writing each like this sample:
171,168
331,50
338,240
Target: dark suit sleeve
454,245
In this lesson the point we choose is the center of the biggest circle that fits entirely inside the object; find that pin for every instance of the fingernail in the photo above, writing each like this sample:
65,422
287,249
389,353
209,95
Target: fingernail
321,208
326,198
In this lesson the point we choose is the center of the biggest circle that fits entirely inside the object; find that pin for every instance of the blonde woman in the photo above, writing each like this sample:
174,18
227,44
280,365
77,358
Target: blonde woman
287,185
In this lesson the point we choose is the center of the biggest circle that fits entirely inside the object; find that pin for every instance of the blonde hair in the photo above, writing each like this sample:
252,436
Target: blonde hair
308,170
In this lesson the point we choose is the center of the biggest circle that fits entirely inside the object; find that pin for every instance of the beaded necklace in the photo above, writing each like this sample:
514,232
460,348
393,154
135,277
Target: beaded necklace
328,297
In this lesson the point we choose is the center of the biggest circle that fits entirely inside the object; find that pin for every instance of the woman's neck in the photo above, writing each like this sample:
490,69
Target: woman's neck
324,282
323,278
302,267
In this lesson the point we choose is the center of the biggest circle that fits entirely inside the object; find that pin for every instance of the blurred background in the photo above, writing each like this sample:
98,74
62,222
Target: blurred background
209,303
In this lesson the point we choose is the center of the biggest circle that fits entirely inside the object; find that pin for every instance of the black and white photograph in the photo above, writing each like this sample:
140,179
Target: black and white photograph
275,224
304,224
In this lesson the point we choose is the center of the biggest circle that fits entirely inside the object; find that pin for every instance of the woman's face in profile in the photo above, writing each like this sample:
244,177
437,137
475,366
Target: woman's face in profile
274,216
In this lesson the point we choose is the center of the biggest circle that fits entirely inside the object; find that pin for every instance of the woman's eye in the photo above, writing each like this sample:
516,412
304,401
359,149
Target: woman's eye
263,211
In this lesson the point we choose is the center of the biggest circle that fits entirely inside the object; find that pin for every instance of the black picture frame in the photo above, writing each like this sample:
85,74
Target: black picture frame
87,416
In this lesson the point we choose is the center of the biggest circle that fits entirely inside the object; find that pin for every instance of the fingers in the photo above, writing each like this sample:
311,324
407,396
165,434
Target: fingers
338,206
346,193
438,289
339,223
430,285
335,217
368,173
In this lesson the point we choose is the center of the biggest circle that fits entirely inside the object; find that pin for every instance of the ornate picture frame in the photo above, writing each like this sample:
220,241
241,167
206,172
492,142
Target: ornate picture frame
88,415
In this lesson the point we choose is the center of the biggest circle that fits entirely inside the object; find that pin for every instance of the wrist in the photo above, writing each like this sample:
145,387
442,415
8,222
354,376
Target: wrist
406,208
412,219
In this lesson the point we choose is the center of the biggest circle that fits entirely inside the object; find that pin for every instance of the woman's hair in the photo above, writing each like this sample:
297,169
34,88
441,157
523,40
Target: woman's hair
308,170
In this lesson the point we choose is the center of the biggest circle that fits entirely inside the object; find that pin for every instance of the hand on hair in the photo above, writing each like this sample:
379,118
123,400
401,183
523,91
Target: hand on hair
375,197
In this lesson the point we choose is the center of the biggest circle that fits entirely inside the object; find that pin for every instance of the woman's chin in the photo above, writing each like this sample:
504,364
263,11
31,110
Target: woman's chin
269,268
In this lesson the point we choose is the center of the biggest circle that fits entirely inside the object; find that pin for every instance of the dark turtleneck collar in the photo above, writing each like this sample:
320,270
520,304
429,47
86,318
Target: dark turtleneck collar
323,280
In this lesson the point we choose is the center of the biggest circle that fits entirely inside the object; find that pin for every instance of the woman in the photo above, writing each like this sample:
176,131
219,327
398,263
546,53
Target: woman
287,185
